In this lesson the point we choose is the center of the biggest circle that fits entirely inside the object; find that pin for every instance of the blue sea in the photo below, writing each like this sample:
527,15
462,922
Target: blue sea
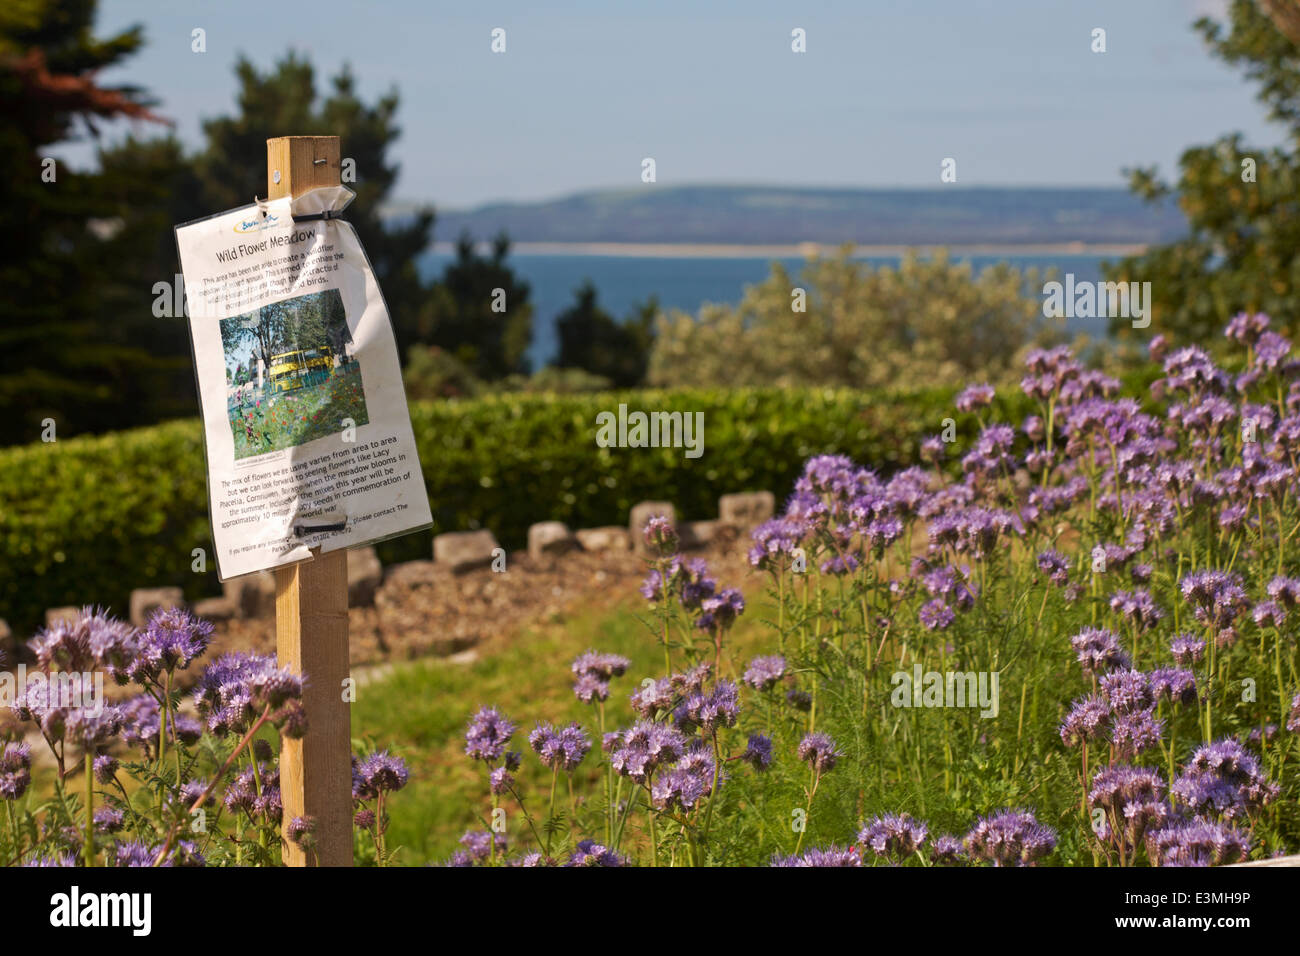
686,283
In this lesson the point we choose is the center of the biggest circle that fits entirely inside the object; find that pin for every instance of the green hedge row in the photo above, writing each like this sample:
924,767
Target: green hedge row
85,520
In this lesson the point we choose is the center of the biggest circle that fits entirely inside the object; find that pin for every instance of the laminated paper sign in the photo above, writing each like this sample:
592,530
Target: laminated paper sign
308,438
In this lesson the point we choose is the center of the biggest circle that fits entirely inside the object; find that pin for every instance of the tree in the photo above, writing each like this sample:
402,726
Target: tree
591,339
1242,250
80,340
480,313
232,170
844,323
57,358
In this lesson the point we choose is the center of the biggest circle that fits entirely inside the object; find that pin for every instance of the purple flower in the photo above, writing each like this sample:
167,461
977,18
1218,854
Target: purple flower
604,666
654,698
1133,799
691,580
590,688
660,535
15,770
500,781
763,673
895,836
1135,731
828,856
774,543
1055,566
1271,350
1260,735
377,773
933,449
1137,607
105,768
108,819
590,853
693,680
992,452
91,641
488,734
1189,369
142,720
192,790
975,396
562,748
1269,614
1224,778
845,563
1087,720
1196,842
1010,838
300,831
1097,650
948,583
819,752
1115,787
237,687
91,728
935,615
973,531
689,783
136,854
1187,649
171,641
720,610
653,589
1127,690
947,850
1217,597
644,748
758,752
1247,327
1174,684
1285,591
243,794
709,712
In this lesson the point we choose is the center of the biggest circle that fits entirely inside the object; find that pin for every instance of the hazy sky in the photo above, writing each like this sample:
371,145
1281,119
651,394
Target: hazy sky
712,91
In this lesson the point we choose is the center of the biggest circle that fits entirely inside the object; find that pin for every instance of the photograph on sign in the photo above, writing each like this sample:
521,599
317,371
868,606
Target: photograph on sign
306,429
290,379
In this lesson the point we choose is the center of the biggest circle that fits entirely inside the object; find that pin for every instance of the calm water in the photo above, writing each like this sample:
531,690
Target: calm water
687,283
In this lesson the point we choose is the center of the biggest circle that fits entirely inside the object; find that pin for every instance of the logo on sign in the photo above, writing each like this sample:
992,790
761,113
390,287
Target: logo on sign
256,225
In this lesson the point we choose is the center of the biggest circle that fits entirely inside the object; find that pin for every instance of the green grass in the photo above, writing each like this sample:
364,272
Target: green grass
420,711
945,766
292,418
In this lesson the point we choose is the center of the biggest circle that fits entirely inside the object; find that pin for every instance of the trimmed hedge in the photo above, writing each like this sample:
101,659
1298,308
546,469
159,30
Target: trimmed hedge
85,520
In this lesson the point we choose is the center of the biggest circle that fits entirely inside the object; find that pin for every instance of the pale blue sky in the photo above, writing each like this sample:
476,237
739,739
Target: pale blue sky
712,91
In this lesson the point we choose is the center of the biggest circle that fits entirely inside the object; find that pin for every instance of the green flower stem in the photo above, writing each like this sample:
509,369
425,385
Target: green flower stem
88,850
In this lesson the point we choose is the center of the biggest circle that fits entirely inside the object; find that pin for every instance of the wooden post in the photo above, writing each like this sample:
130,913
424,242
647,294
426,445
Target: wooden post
311,608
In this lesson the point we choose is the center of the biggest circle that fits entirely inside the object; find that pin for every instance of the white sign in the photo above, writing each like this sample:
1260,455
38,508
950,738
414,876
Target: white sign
308,438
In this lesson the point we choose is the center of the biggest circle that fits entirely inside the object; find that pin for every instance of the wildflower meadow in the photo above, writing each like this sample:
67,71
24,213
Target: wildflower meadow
1072,643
